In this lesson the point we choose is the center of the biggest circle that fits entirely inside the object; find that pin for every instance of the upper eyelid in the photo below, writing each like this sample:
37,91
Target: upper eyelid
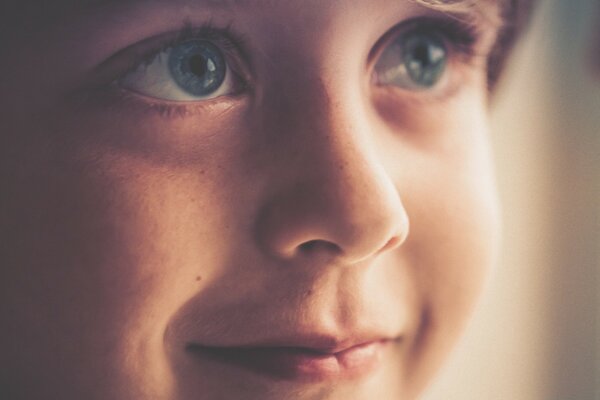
145,51
461,36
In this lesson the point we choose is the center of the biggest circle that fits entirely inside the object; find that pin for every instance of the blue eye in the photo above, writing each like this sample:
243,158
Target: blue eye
415,60
189,71
197,67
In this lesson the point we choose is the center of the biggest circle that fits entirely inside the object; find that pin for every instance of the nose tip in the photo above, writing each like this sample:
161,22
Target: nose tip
358,239
342,221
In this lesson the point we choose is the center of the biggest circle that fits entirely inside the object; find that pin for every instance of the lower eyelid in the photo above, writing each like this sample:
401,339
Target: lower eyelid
125,104
458,76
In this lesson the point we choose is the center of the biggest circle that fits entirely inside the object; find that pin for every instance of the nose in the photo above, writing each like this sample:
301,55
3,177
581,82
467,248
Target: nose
330,198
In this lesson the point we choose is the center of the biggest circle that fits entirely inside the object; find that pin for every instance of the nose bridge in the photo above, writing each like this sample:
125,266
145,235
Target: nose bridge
337,197
322,112
338,141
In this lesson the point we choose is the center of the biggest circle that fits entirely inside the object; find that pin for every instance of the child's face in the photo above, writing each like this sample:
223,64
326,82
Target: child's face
250,187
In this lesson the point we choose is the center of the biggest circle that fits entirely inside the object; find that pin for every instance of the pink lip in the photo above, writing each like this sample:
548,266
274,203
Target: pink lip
301,363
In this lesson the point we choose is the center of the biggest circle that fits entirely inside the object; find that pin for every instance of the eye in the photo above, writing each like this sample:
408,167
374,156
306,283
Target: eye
414,60
189,71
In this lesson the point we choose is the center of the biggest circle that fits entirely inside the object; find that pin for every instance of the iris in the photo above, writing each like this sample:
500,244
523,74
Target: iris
414,60
425,59
198,67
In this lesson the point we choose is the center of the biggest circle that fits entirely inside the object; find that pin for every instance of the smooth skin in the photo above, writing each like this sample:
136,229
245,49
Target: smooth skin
314,200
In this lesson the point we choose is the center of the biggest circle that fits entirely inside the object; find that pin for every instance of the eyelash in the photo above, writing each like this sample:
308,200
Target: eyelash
225,38
460,36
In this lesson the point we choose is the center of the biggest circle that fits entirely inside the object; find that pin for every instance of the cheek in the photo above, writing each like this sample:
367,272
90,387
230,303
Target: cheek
454,247
451,201
101,249
154,236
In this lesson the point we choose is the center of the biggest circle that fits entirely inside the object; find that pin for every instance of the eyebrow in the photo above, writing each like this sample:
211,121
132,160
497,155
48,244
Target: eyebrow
457,8
488,10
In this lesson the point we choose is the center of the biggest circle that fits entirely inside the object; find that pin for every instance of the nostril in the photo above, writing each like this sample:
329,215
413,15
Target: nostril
315,246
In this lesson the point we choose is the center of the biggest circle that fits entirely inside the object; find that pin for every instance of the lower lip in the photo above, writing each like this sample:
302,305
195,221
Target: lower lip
300,364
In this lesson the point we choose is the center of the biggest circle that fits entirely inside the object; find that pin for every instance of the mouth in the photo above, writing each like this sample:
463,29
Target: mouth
312,363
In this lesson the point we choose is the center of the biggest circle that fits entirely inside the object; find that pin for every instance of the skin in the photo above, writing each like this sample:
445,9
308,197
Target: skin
315,201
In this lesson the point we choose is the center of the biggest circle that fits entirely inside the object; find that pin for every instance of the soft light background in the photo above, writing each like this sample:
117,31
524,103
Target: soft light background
536,336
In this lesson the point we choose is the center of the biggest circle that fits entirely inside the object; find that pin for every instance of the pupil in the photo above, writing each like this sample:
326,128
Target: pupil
197,65
424,59
422,55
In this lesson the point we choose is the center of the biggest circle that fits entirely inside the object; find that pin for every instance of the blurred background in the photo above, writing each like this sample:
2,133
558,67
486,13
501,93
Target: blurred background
536,334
